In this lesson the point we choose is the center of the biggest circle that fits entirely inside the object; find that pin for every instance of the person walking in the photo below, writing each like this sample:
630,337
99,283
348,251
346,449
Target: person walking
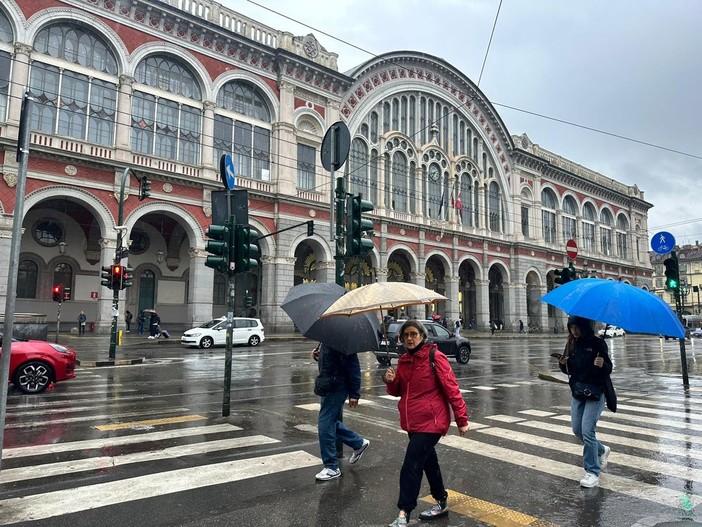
425,414
457,328
339,378
82,319
521,326
140,322
128,320
154,331
587,363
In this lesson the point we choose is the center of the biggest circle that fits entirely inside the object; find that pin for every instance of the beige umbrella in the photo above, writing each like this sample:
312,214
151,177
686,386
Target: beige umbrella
382,295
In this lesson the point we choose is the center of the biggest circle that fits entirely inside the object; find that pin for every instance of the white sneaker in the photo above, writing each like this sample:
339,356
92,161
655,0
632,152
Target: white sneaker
589,480
603,457
328,473
356,456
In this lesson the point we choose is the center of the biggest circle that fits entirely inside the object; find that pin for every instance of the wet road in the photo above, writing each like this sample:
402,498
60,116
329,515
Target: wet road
147,445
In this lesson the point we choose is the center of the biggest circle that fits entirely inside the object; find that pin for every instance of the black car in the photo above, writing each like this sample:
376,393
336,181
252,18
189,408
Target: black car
449,344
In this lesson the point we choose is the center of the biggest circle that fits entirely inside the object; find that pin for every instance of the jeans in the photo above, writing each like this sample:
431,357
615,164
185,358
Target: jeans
584,415
420,457
330,429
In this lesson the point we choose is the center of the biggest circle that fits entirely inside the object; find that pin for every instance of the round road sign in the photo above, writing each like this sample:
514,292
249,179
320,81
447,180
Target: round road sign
571,249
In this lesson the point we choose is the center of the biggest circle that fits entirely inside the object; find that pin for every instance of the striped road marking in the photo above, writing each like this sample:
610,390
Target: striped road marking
48,422
108,442
103,462
151,422
489,513
41,506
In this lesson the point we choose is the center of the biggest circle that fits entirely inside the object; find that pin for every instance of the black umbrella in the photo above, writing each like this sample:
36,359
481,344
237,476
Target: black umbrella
304,304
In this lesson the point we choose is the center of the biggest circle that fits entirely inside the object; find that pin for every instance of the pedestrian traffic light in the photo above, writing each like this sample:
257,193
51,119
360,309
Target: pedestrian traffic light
563,276
218,246
245,249
57,293
117,277
66,293
672,272
127,276
358,240
106,276
144,188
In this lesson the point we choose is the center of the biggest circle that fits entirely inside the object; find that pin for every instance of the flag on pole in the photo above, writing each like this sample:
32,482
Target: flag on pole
441,207
458,203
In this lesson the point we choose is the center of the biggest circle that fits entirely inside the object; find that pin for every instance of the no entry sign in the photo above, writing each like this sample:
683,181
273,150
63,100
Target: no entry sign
571,249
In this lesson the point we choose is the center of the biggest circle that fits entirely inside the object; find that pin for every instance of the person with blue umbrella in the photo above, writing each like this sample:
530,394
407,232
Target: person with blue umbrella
586,362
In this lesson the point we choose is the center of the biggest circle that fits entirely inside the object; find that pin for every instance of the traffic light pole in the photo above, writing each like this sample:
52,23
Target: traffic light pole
58,321
340,215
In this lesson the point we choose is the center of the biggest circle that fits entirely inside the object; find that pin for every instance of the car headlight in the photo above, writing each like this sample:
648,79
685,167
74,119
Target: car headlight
193,334
59,348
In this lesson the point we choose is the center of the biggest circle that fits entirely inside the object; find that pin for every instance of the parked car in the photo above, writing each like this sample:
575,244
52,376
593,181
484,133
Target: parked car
612,331
697,333
35,364
214,333
448,343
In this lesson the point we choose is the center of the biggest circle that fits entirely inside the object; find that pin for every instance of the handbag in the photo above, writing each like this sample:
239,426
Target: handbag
586,391
610,394
324,385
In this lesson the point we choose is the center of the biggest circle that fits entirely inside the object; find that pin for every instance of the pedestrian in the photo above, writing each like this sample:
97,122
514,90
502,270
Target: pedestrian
128,319
140,322
82,319
154,330
457,328
425,414
493,327
521,326
588,366
339,377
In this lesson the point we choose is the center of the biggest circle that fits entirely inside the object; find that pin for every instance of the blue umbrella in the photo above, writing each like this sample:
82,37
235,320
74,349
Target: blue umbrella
616,303
304,304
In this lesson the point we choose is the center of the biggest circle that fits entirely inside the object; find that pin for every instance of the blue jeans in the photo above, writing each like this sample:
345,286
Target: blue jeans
330,429
584,415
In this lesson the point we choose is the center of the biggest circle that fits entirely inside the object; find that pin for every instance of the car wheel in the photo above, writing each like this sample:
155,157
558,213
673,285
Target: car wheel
463,355
33,377
385,361
206,342
255,340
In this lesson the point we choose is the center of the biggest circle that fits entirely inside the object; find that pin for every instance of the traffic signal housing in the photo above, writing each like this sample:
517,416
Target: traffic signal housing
144,188
117,277
219,246
245,249
310,227
57,293
672,272
562,276
127,276
106,276
358,238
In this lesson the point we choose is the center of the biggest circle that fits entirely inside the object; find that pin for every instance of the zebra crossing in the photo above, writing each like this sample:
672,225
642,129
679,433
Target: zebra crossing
655,441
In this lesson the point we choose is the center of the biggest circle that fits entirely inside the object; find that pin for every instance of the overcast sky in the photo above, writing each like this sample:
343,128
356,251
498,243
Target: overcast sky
632,68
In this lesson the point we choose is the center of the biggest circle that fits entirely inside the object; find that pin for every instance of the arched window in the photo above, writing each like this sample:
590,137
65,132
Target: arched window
358,168
27,275
622,236
242,129
606,232
548,215
70,103
464,199
526,212
160,126
63,275
495,209
570,223
6,36
589,227
399,183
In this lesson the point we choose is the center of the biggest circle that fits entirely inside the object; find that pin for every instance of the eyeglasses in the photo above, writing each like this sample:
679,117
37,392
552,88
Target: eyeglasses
412,335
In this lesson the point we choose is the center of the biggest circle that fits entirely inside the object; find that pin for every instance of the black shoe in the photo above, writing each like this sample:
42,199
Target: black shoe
437,511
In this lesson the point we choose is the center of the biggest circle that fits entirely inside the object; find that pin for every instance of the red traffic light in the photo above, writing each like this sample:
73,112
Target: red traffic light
117,277
57,293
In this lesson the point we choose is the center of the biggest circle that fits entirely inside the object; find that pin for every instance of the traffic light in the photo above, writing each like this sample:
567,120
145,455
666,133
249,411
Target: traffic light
672,273
245,250
572,275
127,276
358,240
57,293
563,276
117,277
218,245
144,188
106,276
66,293
310,227
248,302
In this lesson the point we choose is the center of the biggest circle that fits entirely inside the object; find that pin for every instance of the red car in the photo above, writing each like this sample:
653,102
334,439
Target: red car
35,364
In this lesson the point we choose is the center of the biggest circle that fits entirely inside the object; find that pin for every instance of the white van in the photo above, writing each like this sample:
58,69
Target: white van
214,333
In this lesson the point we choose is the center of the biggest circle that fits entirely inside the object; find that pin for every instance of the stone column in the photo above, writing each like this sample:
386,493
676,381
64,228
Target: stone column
200,288
5,244
543,318
103,314
277,275
452,283
124,113
482,294
207,139
326,271
512,312
20,79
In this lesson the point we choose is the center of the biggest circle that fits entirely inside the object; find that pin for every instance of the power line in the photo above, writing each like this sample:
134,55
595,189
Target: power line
494,25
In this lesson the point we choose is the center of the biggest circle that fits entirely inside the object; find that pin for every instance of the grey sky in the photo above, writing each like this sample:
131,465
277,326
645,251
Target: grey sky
628,67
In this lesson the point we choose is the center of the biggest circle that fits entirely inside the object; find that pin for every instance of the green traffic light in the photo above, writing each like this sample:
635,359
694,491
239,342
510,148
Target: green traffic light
218,247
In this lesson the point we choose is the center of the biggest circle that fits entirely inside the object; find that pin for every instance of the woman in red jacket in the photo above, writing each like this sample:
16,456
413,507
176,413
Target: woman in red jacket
426,391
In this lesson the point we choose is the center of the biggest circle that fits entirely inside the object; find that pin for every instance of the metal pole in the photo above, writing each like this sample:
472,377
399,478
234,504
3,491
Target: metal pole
226,400
58,321
683,355
118,253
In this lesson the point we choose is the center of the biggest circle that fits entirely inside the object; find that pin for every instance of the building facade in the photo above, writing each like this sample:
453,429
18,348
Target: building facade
690,269
165,88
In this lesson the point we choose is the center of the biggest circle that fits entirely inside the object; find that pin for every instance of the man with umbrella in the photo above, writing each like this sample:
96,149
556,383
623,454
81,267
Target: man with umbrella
339,378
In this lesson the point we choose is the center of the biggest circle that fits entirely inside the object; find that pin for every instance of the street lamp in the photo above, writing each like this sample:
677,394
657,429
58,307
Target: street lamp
63,247
160,256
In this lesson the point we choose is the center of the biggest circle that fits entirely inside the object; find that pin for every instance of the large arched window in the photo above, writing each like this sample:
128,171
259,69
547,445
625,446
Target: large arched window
464,197
71,103
63,275
495,208
399,182
161,125
606,232
6,37
622,230
242,129
548,215
570,223
27,279
589,217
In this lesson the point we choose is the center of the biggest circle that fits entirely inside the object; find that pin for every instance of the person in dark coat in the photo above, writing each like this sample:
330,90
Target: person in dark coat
342,379
425,414
154,329
587,363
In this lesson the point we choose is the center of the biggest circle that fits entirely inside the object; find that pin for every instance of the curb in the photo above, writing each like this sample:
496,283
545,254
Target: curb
108,362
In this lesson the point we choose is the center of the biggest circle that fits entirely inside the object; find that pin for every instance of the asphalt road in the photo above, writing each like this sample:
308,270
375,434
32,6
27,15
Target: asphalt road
146,444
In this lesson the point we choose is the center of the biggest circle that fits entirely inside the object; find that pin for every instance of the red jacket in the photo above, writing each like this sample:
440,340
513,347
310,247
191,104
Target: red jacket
425,396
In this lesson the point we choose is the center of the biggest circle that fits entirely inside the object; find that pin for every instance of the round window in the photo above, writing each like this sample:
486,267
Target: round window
140,242
48,233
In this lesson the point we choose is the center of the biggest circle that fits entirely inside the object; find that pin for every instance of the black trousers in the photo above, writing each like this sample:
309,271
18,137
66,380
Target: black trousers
420,457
